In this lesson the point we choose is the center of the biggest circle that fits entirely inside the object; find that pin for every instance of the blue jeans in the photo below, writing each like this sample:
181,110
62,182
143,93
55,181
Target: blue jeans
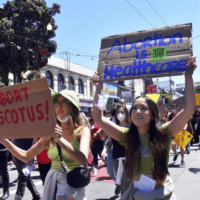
109,163
188,147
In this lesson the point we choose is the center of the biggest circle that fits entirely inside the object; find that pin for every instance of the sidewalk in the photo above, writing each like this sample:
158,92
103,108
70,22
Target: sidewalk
186,179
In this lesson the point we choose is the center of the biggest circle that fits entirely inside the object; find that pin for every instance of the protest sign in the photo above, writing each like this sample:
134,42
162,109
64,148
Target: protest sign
26,110
158,100
182,138
146,54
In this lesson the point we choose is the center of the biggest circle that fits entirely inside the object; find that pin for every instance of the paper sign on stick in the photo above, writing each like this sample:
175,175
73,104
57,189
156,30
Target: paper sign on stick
26,110
145,54
182,138
197,96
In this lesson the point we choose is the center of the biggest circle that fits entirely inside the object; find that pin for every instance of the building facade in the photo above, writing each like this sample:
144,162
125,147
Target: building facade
62,74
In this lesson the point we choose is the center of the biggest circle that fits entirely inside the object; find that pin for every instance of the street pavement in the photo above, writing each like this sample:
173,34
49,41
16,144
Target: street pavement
186,180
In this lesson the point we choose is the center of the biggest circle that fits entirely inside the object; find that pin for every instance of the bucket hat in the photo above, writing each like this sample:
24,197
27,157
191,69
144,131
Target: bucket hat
70,95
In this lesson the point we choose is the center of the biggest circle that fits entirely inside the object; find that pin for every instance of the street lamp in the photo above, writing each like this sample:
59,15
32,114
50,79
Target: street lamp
49,27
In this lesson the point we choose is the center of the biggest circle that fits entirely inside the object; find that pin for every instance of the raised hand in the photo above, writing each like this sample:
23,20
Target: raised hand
57,133
191,65
95,79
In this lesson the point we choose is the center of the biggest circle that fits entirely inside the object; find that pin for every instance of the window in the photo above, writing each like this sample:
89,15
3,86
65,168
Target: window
91,88
60,82
71,83
49,77
80,86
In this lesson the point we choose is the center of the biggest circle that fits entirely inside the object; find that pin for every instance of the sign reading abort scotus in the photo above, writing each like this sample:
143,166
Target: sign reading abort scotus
151,53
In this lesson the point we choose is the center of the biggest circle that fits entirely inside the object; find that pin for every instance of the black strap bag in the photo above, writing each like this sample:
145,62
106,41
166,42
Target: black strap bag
78,177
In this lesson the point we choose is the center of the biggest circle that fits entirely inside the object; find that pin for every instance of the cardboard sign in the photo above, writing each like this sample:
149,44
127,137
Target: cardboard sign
182,138
197,96
26,110
145,54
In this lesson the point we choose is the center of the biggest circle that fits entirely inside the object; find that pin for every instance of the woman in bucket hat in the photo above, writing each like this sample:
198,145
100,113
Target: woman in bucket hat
147,144
73,136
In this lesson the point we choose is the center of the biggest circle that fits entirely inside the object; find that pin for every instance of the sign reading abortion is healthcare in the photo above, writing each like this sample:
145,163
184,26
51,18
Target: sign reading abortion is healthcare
151,53
26,110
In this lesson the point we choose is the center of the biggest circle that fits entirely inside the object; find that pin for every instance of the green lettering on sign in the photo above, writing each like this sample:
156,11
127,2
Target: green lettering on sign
158,54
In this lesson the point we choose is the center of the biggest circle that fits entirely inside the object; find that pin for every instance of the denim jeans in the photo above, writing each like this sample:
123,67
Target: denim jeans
109,163
4,170
24,181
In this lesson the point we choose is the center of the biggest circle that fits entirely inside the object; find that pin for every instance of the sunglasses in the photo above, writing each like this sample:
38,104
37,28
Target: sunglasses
64,103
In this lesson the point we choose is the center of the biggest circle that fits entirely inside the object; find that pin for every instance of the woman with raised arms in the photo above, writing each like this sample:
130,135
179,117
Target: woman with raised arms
74,139
148,145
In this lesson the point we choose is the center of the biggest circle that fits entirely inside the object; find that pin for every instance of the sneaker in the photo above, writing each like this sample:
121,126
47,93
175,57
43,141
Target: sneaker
94,171
117,189
182,162
175,157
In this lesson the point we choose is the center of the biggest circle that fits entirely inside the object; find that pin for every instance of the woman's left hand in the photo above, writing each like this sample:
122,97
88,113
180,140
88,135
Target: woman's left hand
57,133
192,63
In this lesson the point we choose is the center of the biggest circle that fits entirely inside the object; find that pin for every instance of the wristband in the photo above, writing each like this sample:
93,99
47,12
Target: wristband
102,102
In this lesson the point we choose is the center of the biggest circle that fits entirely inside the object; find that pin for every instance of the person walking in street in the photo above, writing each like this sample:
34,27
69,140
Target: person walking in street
44,163
118,153
174,145
4,154
148,145
73,137
97,144
24,180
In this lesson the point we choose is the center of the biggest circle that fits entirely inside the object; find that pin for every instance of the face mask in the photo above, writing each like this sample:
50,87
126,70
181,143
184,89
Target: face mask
64,120
174,110
121,117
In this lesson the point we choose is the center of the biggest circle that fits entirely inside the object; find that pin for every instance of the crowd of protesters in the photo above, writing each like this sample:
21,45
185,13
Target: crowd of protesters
109,135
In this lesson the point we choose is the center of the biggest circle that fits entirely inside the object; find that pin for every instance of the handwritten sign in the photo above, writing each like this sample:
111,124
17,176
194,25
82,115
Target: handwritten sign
145,54
183,138
26,110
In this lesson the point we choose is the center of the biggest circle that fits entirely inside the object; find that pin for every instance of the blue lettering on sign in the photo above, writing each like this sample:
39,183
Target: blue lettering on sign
118,72
115,47
140,68
129,67
158,40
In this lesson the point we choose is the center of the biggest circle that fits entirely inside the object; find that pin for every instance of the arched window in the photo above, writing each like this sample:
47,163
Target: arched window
71,83
49,77
60,82
91,88
80,86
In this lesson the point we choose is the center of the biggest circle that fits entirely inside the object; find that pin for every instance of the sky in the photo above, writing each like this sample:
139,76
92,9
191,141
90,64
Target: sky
82,25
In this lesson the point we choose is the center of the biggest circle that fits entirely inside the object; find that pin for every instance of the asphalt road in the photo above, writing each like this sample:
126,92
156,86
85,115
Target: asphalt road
186,180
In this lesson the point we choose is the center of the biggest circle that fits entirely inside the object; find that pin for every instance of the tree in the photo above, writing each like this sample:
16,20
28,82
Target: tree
24,31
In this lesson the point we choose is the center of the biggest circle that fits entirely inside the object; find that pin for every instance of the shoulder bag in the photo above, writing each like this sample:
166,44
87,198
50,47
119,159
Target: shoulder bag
78,177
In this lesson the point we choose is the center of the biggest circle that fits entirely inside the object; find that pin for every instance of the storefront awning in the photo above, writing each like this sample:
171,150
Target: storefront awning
85,103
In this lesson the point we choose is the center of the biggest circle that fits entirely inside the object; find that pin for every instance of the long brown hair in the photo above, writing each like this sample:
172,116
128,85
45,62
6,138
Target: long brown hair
156,140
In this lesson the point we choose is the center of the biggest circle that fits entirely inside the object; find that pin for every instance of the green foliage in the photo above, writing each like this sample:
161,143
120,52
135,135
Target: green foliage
24,31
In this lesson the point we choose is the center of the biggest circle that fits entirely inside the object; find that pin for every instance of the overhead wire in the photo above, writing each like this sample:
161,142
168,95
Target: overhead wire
47,45
157,13
140,13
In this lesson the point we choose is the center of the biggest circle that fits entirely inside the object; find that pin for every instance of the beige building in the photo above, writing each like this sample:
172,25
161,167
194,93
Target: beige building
62,74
